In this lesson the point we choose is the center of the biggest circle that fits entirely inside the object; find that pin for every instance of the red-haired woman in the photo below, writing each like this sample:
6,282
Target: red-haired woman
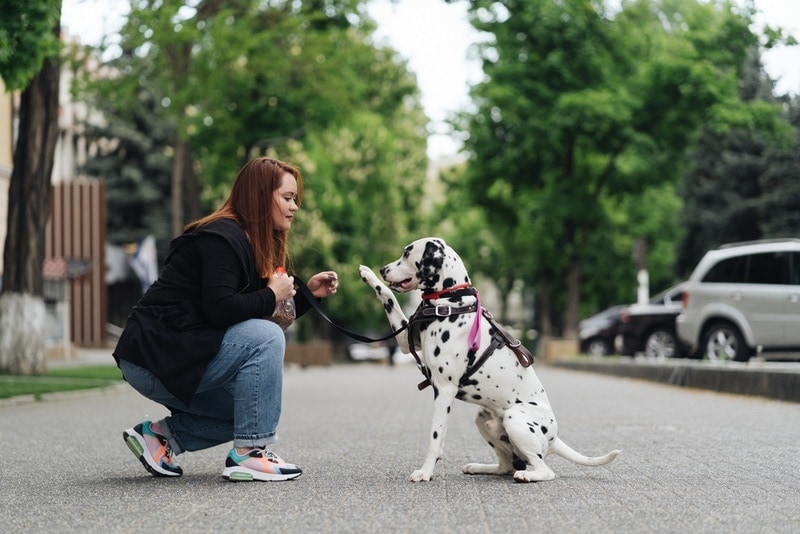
198,342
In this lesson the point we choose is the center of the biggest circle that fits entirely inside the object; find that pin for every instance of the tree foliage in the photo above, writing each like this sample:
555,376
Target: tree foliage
301,81
586,110
742,184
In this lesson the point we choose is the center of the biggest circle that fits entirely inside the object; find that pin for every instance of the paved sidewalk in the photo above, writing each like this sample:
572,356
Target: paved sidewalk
691,460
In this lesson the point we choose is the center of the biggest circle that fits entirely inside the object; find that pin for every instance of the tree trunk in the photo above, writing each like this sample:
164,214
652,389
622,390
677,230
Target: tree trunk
545,307
22,346
178,162
192,187
573,298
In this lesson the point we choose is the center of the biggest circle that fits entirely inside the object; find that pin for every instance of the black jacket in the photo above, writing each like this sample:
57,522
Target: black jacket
208,283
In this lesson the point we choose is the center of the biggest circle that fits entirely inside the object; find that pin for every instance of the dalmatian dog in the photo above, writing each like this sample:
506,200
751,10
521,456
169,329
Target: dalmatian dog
515,416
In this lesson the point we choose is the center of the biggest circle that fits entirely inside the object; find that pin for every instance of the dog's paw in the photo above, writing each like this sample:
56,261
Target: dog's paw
368,276
538,475
420,475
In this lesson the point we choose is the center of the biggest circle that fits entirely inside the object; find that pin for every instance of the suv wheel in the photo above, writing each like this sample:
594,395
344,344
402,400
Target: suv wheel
598,347
723,342
660,344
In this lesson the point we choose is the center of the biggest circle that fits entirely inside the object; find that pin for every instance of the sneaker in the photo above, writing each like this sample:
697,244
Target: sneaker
152,449
258,464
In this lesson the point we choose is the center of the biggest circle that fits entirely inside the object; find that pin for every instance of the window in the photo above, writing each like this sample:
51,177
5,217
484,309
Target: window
770,268
729,271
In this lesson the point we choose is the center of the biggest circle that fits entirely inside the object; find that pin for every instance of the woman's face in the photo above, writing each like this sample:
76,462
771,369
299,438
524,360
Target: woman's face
285,202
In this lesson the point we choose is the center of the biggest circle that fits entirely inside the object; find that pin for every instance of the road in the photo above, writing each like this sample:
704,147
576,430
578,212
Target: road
691,460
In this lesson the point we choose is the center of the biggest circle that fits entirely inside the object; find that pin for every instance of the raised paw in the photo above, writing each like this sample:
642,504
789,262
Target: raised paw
420,475
368,276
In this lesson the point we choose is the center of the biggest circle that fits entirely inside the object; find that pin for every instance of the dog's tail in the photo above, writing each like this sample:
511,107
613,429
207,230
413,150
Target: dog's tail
565,451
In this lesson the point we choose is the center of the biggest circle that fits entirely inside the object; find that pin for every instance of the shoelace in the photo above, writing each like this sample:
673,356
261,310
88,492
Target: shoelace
167,449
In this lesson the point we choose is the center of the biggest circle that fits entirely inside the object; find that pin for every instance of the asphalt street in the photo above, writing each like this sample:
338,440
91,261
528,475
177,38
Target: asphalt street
692,461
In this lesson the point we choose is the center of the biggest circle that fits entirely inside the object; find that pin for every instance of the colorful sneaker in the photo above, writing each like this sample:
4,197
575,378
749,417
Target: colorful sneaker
258,464
152,449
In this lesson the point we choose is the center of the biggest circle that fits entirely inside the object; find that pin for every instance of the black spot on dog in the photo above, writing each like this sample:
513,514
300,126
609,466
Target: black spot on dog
504,438
441,369
461,394
445,336
435,434
478,397
518,463
465,382
437,350
533,403
388,306
544,430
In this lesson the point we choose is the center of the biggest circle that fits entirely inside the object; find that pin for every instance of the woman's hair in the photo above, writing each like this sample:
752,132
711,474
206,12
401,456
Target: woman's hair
250,203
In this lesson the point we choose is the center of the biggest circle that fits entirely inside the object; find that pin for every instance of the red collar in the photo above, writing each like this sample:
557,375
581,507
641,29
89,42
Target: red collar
437,294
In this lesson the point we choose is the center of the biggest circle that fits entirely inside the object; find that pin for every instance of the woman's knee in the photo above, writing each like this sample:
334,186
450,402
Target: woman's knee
256,333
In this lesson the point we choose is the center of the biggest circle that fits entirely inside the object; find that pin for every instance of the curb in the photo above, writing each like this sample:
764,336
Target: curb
758,379
63,395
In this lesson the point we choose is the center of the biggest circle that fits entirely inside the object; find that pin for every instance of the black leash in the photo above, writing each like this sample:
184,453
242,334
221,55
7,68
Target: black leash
303,288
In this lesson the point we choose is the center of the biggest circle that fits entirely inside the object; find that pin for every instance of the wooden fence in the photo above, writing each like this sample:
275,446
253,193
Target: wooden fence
76,233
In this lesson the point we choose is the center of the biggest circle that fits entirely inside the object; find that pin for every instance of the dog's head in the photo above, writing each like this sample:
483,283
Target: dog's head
427,264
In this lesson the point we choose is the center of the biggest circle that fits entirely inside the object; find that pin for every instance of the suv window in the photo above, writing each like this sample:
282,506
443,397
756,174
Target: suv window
767,268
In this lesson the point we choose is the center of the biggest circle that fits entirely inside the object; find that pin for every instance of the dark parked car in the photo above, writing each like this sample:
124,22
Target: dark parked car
649,328
597,334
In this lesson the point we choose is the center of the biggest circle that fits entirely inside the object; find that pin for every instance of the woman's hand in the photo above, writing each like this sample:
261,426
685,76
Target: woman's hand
282,285
323,284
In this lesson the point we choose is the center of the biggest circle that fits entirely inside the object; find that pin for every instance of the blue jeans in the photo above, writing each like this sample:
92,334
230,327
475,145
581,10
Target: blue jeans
239,396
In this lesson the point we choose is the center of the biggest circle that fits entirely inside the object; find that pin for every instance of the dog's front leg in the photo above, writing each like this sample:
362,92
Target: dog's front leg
397,319
442,404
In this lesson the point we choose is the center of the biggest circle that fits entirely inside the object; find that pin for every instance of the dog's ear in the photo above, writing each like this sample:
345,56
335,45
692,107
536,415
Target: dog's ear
431,262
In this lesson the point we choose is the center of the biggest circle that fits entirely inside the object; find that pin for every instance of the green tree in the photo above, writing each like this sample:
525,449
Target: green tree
298,82
740,186
582,107
29,61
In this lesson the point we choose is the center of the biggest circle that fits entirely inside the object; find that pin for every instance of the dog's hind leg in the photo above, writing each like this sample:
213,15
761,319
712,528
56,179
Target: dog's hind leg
397,319
529,439
442,404
493,432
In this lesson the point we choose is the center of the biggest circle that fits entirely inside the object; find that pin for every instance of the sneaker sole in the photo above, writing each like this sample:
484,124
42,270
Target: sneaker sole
137,447
243,474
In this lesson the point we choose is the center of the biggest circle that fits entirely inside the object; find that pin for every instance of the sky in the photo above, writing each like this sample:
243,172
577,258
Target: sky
435,38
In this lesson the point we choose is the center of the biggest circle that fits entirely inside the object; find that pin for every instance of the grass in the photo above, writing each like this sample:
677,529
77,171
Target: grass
58,380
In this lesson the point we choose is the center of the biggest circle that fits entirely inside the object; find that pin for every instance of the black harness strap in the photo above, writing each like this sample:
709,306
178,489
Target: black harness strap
426,313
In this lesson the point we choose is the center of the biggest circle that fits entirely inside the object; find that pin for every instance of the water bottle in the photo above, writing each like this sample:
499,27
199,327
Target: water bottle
284,313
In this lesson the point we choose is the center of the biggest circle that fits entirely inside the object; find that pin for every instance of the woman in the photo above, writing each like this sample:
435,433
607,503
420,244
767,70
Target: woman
199,341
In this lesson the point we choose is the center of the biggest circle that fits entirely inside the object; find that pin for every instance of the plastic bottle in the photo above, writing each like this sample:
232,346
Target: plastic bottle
284,313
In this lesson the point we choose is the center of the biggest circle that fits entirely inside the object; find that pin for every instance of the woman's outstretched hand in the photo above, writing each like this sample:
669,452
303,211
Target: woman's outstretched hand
323,284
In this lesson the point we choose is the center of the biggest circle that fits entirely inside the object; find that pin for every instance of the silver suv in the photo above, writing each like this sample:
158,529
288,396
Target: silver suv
742,298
